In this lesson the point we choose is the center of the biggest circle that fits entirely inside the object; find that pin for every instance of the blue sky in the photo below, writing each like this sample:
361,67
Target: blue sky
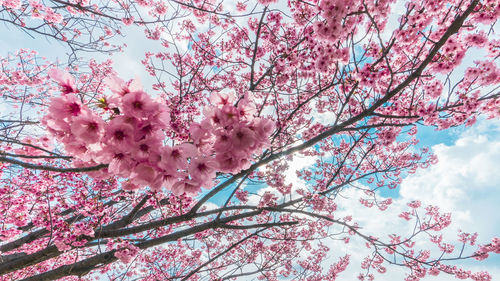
464,182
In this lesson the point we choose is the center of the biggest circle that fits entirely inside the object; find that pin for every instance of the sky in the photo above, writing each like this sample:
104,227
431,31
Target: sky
465,181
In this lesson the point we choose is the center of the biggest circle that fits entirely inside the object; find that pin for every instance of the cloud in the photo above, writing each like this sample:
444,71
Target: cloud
464,182
298,163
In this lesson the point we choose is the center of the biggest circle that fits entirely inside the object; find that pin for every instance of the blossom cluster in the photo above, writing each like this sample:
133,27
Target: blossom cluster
329,32
131,138
388,136
231,133
329,55
485,73
126,251
484,250
450,57
38,10
333,11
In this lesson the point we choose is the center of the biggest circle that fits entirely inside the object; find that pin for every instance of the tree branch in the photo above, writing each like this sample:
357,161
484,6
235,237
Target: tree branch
51,168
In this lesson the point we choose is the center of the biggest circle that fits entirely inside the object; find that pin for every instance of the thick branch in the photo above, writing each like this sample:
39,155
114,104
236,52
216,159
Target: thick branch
51,168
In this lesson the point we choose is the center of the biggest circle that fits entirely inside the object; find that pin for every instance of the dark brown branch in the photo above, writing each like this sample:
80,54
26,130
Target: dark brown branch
256,46
51,168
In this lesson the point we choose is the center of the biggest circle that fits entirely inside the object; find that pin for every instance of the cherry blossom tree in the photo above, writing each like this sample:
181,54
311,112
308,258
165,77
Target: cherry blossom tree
185,179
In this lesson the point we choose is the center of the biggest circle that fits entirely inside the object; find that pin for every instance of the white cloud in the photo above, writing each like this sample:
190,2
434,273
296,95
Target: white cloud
298,163
464,182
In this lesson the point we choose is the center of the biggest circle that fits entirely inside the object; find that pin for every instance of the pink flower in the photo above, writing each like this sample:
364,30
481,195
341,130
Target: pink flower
36,7
187,186
230,161
52,17
128,21
223,142
495,245
228,115
87,128
213,116
244,163
202,169
127,252
143,149
240,7
65,106
242,138
222,99
61,246
434,271
143,175
150,128
264,128
129,186
166,179
267,2
145,129
246,109
161,118
242,195
201,135
56,126
120,87
138,104
119,133
77,148
173,158
120,165
64,79
414,204
12,4
268,199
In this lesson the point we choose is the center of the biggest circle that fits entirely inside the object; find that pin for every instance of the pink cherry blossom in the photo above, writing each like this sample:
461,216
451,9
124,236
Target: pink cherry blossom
88,128
202,169
242,138
65,107
126,252
221,99
143,174
120,87
185,186
138,104
120,164
65,80
119,133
